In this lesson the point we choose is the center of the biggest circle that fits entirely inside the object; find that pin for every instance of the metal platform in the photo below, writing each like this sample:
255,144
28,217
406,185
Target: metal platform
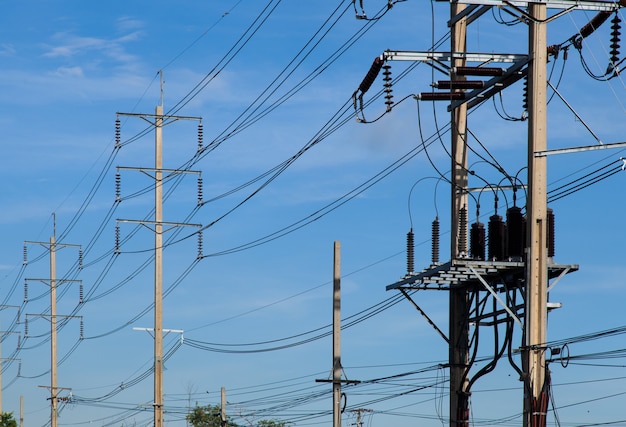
472,273
551,4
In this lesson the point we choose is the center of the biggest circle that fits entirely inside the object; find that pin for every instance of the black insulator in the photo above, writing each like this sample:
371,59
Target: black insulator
118,133
514,233
478,71
496,238
387,85
595,23
25,256
82,329
462,242
200,136
371,75
81,294
387,74
460,84
525,93
477,241
117,239
435,241
442,96
200,238
410,252
26,327
200,195
80,259
118,187
25,291
616,25
550,230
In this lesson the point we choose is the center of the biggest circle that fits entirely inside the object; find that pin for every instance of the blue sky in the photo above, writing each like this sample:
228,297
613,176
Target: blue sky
265,278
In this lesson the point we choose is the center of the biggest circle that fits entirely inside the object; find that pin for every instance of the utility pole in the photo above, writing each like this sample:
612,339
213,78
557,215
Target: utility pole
2,333
223,417
534,360
359,415
53,282
337,368
337,335
458,298
158,120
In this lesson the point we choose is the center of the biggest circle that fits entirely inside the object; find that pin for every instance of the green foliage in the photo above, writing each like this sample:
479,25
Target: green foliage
6,420
207,416
271,423
210,416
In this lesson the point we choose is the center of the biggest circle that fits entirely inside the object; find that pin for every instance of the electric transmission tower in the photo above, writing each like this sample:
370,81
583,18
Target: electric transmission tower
516,272
53,282
158,174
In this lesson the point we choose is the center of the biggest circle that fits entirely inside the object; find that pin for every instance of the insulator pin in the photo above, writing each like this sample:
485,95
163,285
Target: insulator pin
616,25
525,93
200,137
200,190
594,24
371,75
387,86
200,243
462,242
118,187
117,239
410,252
496,238
435,241
459,84
551,232
477,241
118,133
515,231
442,96
478,71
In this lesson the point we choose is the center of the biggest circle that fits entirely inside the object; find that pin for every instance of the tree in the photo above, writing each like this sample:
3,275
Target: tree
207,416
6,420
271,423
211,416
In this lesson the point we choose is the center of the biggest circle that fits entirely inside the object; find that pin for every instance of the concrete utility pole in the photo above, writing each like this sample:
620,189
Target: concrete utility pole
337,335
359,416
223,417
52,247
53,332
3,359
158,267
535,392
337,368
158,223
458,298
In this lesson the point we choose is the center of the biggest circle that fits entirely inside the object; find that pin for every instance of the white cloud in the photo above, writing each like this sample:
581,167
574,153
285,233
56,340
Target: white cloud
126,23
69,72
6,50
